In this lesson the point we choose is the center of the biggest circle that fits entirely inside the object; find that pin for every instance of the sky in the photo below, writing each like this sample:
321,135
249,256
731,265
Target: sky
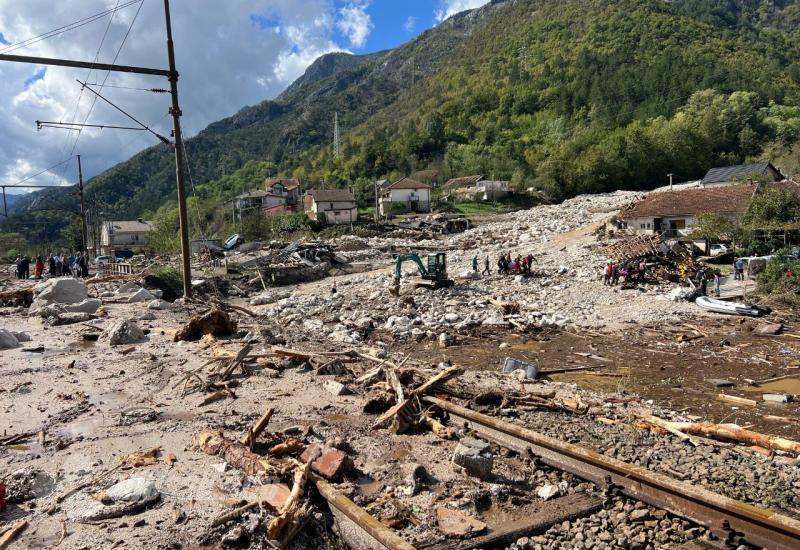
229,53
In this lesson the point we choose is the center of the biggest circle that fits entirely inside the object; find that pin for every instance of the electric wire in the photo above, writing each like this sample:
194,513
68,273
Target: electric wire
65,28
48,169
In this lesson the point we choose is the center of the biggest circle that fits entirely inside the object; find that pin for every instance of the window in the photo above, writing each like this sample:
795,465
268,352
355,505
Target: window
648,225
641,226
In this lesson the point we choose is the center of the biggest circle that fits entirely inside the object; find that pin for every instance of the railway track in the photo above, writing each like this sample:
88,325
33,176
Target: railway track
733,521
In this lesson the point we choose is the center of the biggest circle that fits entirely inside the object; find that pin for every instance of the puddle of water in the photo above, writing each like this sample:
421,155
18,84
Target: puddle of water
787,385
85,427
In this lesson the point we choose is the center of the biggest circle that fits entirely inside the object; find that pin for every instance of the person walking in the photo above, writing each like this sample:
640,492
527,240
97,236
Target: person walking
614,274
475,263
716,282
83,266
65,270
739,267
51,265
607,274
486,270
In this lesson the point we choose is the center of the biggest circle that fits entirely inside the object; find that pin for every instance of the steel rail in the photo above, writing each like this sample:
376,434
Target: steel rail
732,520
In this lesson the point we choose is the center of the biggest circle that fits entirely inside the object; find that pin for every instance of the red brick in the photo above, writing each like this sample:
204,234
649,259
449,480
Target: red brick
326,461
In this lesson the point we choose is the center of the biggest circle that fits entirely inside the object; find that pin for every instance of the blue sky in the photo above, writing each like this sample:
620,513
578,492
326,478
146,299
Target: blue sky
391,23
260,45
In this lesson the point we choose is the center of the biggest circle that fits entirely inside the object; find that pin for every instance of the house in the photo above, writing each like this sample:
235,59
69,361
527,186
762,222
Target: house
493,190
726,175
405,195
675,213
124,235
464,181
332,206
282,196
251,199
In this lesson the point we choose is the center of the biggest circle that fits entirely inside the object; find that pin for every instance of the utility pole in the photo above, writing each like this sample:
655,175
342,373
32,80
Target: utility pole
670,180
172,75
176,128
83,207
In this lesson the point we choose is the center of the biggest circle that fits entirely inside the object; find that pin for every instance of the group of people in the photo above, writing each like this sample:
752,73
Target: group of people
58,265
704,275
633,270
506,265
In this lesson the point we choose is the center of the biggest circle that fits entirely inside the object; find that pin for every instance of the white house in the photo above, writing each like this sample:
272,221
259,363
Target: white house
675,213
405,195
333,206
493,190
125,235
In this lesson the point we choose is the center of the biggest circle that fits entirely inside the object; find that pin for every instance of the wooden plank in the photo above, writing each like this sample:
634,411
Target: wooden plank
537,519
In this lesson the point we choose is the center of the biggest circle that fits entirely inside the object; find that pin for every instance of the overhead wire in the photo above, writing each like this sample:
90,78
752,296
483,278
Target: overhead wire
88,74
65,28
48,169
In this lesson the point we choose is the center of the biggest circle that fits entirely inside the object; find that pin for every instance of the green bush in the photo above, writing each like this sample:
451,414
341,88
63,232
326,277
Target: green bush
289,223
781,276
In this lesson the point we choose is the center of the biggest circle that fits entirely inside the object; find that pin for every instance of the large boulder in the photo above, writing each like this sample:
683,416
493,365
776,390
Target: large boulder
64,290
141,295
7,339
124,332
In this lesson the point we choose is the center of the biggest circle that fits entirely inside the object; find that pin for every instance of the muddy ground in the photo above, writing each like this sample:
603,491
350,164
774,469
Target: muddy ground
97,403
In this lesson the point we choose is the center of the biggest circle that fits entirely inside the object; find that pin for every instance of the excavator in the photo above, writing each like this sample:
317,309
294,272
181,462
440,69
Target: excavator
434,274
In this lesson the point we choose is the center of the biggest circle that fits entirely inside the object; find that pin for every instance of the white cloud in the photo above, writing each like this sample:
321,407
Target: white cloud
452,7
410,24
355,22
229,54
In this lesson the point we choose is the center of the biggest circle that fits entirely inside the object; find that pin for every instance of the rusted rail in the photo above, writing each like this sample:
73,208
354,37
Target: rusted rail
375,534
732,520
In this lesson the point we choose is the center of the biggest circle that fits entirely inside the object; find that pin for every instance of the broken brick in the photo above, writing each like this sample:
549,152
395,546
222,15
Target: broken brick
326,461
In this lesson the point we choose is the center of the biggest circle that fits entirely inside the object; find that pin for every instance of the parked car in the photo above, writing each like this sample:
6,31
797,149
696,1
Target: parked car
718,250
233,241
104,260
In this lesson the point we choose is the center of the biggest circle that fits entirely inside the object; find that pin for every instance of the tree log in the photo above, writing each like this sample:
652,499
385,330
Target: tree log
732,432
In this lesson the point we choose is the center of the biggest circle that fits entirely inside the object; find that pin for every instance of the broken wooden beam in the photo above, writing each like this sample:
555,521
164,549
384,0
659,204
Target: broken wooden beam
252,434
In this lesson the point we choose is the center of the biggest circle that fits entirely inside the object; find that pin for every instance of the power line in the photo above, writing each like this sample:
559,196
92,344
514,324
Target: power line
153,90
65,28
113,61
143,126
48,169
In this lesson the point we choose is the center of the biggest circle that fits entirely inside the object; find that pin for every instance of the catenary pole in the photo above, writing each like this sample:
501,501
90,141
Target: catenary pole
84,237
176,124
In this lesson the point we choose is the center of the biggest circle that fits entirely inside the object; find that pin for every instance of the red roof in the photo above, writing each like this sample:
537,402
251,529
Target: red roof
407,183
731,199
288,183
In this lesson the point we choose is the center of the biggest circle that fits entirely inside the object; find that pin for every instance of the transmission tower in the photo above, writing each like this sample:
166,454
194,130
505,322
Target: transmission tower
336,151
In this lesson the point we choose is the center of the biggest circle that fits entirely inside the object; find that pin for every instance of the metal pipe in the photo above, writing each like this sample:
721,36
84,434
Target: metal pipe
728,518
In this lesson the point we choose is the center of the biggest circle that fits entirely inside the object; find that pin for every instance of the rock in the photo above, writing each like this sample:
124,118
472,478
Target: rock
640,514
680,293
70,318
768,329
337,388
445,340
147,316
124,332
262,299
475,456
546,492
364,323
505,345
455,523
233,537
452,317
87,306
416,476
326,461
21,336
126,497
65,290
7,339
159,305
141,295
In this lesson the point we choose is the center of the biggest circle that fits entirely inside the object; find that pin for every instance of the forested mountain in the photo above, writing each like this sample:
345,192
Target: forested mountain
569,96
